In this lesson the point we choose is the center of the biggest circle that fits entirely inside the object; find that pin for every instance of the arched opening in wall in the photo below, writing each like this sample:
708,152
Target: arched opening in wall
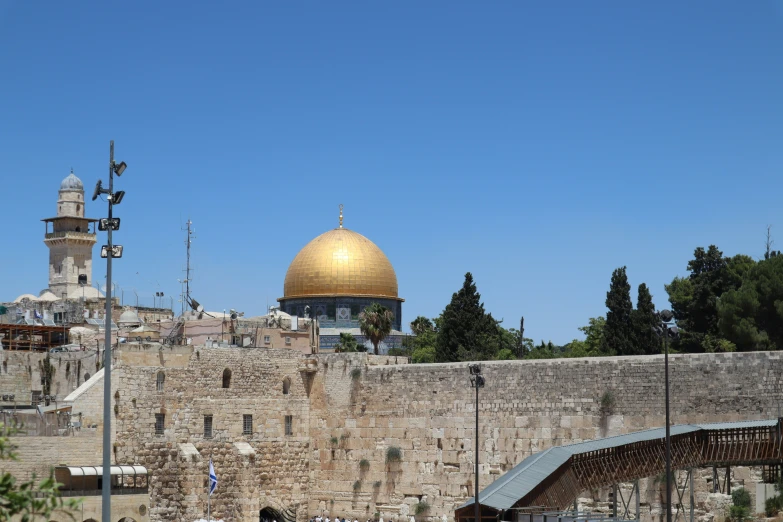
78,229
160,381
227,378
286,386
269,514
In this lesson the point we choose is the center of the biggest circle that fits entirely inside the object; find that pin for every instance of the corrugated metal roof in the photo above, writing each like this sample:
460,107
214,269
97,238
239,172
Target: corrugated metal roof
522,478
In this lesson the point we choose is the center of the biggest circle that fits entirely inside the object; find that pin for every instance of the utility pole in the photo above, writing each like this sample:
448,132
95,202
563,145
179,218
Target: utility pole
188,241
109,251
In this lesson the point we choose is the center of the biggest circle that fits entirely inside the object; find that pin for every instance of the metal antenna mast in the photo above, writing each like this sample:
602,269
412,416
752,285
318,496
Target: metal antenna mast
188,241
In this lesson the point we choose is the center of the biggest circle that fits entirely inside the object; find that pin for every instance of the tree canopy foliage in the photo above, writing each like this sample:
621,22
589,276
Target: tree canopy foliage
722,304
375,323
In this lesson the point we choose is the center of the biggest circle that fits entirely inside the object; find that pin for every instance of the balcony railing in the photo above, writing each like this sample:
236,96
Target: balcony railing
75,235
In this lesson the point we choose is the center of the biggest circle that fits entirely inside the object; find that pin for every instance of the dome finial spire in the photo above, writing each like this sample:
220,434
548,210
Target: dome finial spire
341,215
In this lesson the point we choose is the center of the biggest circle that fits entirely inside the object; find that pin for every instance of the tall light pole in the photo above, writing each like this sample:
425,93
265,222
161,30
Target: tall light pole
666,331
108,251
476,381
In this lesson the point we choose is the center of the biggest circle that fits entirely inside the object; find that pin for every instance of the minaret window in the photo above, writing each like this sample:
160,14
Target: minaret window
78,208
78,229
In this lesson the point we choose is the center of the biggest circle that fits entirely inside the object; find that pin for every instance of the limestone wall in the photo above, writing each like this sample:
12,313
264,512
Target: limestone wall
267,466
428,412
349,408
20,372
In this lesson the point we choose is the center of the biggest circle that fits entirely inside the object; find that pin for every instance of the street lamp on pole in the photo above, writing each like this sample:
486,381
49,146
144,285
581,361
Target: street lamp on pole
108,251
666,330
476,381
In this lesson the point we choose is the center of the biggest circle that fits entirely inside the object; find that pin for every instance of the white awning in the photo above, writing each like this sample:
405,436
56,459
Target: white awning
86,471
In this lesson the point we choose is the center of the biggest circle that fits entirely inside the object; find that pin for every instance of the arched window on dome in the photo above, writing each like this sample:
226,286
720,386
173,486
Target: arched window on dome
286,386
161,379
226,378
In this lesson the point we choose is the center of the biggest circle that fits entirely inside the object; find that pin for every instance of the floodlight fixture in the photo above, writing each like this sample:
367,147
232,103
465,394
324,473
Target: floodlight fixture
98,190
120,167
105,223
116,251
475,369
666,316
116,198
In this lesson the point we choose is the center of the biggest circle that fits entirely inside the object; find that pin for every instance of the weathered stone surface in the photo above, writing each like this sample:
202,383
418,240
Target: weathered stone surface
355,407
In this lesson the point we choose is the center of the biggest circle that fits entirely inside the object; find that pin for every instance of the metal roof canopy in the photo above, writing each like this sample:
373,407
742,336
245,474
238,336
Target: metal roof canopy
87,471
540,467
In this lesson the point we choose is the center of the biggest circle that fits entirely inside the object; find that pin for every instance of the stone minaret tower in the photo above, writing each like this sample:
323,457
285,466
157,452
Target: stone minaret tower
70,239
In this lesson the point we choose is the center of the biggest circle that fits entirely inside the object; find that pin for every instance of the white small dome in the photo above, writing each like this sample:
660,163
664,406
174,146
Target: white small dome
29,297
72,183
129,317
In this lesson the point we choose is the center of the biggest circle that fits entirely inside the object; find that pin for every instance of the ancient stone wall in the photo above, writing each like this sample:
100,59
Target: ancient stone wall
427,411
268,466
349,412
20,372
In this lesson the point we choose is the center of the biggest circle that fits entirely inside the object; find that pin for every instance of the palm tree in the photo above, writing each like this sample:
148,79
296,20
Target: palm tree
347,343
375,323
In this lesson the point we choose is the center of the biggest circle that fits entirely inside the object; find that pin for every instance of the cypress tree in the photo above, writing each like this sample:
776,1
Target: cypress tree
647,343
464,325
619,331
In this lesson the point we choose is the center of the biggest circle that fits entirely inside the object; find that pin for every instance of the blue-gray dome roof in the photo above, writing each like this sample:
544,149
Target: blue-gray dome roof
72,183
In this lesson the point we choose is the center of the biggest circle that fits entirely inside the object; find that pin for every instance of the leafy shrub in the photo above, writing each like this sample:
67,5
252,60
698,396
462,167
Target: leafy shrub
608,402
740,497
740,511
334,441
423,355
421,508
772,506
357,485
393,454
356,373
376,485
364,464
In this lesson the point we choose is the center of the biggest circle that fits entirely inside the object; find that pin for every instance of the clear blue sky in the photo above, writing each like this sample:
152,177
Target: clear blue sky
537,145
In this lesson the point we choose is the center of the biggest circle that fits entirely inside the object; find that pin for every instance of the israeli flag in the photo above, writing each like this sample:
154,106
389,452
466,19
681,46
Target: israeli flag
212,478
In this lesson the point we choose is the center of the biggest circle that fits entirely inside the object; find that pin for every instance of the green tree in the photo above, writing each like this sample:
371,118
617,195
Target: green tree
751,316
543,351
421,325
464,329
423,355
348,343
644,320
594,335
695,298
619,331
375,323
27,500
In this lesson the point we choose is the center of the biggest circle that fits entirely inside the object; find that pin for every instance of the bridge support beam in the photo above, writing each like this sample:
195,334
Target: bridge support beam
638,499
614,501
690,487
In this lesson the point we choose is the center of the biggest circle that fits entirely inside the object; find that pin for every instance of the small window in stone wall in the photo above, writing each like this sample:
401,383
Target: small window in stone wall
289,424
287,340
160,420
160,381
207,426
86,377
247,424
286,386
227,378
267,339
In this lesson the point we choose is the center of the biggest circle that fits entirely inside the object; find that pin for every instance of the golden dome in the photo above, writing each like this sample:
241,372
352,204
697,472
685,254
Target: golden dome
340,262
